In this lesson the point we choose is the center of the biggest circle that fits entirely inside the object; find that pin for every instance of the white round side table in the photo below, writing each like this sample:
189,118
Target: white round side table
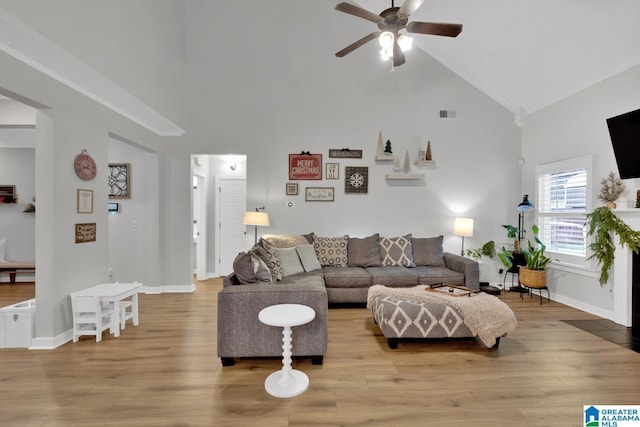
286,382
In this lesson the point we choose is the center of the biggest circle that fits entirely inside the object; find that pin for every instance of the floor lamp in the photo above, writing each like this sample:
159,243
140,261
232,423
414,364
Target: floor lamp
463,227
524,207
256,218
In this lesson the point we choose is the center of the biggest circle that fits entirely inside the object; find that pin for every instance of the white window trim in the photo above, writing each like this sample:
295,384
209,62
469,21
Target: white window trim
586,161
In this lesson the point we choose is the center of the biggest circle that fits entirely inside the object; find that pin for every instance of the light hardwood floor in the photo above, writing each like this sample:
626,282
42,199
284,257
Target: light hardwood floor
165,373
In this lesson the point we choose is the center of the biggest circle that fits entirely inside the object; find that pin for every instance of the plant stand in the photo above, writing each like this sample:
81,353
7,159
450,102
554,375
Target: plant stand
534,279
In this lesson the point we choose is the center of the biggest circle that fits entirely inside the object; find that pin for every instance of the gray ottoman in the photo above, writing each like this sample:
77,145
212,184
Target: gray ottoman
416,313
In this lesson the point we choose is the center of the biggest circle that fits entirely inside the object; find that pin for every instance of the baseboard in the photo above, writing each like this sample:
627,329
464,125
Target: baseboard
51,343
580,305
153,290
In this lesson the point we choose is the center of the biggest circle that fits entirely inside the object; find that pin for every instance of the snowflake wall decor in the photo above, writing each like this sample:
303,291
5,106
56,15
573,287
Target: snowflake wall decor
356,179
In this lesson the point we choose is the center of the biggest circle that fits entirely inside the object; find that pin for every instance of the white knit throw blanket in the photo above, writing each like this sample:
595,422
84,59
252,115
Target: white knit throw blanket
485,315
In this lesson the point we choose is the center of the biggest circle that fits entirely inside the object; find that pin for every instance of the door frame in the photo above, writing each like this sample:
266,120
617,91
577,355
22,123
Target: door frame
201,246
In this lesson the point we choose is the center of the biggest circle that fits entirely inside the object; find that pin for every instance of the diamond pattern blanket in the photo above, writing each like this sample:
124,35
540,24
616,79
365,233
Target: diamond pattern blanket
416,313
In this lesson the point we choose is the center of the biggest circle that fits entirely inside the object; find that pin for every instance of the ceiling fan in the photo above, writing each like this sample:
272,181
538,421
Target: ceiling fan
390,21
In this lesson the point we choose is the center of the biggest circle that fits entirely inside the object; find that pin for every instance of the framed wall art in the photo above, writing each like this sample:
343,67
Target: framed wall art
332,171
85,201
319,194
86,232
305,166
356,179
119,180
344,153
8,194
292,189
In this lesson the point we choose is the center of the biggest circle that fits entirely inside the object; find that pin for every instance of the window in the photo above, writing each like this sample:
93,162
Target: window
564,194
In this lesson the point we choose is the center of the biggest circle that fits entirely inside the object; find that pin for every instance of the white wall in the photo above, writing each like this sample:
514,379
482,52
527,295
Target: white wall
251,100
17,167
134,253
573,127
64,266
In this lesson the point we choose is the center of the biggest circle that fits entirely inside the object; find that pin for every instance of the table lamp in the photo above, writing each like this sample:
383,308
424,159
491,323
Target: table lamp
463,227
256,218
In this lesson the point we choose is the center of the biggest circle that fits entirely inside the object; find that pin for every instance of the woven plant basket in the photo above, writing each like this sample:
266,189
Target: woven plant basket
533,278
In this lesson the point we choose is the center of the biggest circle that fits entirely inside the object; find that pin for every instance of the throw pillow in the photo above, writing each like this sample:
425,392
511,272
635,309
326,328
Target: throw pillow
364,252
268,253
397,251
331,250
290,261
308,257
428,251
249,269
3,249
286,240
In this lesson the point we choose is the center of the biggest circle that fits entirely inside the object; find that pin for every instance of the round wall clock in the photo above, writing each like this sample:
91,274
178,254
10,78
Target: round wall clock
85,166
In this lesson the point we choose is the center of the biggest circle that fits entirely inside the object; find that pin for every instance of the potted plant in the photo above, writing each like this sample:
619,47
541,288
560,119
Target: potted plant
602,224
533,274
610,189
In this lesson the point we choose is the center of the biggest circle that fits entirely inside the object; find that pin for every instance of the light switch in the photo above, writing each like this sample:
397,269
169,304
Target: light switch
134,223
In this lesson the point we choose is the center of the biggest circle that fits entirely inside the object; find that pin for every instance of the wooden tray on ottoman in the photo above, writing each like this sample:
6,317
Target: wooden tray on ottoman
452,290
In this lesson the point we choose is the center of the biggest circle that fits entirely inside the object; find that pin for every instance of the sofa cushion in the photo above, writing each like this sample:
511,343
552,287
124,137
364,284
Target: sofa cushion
397,251
311,278
290,261
428,251
331,250
3,248
363,252
346,277
269,254
392,276
308,257
249,269
433,275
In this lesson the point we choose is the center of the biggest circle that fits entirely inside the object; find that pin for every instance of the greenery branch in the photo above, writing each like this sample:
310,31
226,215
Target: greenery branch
602,223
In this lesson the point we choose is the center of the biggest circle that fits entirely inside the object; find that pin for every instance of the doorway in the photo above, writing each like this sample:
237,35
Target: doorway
218,203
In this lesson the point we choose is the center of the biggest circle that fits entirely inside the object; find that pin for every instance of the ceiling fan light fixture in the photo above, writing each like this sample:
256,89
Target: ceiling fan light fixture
386,40
386,53
405,42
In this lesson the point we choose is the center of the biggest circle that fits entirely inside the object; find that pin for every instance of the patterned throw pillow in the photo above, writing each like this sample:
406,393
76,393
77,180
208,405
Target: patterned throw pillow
269,254
290,261
250,269
428,251
397,251
331,250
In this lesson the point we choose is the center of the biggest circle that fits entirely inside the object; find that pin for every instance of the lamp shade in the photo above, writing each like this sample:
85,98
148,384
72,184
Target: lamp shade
525,205
463,227
256,218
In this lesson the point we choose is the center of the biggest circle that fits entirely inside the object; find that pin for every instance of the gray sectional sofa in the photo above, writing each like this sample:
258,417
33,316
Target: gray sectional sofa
317,271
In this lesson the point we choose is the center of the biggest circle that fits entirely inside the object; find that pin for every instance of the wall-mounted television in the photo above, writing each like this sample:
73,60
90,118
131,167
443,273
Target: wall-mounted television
624,131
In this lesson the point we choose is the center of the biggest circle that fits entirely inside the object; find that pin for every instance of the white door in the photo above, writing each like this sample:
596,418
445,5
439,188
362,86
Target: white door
230,207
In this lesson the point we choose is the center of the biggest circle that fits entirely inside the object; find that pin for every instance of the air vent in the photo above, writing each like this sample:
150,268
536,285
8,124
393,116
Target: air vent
447,114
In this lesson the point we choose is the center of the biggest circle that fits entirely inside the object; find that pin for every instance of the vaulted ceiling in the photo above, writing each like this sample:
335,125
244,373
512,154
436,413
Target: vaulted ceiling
528,54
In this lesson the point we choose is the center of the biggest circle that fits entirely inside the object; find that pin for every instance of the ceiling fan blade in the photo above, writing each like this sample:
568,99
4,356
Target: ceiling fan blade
409,7
398,55
354,10
434,28
353,46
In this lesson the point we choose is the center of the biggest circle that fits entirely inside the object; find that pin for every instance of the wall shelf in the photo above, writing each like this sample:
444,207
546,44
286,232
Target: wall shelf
404,176
429,163
385,158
